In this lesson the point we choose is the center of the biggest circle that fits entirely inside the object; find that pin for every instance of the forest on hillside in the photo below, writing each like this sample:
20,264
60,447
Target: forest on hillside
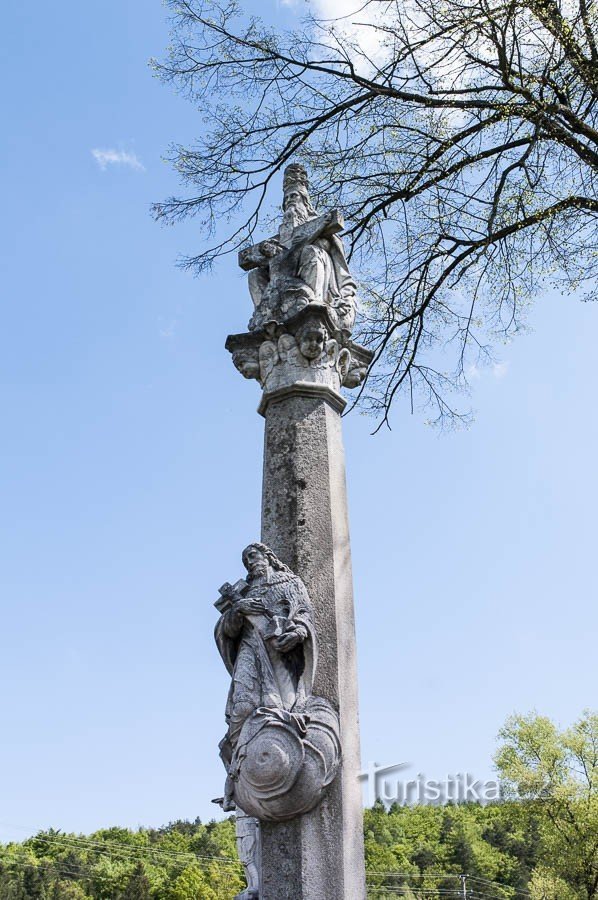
413,852
540,841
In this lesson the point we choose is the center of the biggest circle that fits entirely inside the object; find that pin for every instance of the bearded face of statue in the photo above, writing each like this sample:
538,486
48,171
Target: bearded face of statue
255,561
295,208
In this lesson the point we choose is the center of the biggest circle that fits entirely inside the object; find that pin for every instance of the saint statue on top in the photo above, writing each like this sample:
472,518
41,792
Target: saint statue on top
304,264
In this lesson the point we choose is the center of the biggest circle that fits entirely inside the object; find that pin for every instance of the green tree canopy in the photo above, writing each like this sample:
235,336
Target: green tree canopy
556,771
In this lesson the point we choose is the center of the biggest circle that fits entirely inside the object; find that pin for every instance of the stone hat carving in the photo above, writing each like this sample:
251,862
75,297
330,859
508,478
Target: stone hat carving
284,760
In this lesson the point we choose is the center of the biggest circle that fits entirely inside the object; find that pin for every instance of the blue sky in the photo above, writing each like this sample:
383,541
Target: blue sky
131,466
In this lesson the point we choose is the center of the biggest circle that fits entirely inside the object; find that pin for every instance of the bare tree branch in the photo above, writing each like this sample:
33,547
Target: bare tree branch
461,142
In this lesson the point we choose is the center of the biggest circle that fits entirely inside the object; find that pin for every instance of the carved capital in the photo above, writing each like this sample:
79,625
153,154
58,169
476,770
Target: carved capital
307,350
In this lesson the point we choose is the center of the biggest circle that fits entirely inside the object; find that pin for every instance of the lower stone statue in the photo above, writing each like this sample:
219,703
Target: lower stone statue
248,848
282,745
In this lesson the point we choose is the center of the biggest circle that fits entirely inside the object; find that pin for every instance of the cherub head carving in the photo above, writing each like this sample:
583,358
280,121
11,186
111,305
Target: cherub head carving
311,338
247,363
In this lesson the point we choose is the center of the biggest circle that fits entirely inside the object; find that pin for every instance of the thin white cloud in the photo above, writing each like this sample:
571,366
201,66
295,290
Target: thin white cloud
168,331
351,21
499,370
334,9
105,158
356,22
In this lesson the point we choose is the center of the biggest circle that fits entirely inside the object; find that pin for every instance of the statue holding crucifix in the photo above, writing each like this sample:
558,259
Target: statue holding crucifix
304,301
305,263
276,727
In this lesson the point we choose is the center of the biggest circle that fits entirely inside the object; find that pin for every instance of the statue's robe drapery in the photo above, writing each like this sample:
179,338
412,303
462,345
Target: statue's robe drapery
340,283
263,676
302,273
323,266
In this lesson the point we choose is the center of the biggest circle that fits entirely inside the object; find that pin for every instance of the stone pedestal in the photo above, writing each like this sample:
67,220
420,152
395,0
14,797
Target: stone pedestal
318,856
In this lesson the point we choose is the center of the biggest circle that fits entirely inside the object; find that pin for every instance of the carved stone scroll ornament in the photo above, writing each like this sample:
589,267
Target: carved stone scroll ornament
282,745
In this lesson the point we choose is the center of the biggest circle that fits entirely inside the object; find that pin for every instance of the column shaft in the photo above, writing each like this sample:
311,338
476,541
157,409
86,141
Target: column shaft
318,856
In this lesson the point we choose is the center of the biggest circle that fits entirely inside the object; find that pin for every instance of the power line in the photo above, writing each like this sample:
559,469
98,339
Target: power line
182,859
415,892
499,884
58,872
425,893
447,875
40,836
406,889
104,847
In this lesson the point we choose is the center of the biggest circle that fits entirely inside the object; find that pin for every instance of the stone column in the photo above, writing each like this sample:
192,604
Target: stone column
318,856
293,759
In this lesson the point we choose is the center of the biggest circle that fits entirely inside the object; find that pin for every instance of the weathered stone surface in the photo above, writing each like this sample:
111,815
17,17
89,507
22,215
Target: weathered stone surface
248,848
299,349
304,519
306,349
361,358
282,748
284,761
304,264
308,356
259,254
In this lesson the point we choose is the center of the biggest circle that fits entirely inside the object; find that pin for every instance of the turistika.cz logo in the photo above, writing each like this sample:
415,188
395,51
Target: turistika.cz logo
389,785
